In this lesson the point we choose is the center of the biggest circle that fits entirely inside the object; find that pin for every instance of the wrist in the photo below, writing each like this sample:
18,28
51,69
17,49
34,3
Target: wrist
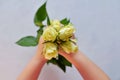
39,56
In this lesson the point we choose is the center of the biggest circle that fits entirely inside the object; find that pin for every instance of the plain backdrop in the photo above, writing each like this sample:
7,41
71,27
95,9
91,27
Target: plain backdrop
98,32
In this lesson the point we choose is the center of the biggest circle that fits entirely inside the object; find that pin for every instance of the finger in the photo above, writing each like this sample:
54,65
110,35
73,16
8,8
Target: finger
73,36
40,44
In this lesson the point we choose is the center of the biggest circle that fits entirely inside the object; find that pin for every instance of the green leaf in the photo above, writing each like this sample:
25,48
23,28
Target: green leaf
48,20
53,61
61,62
27,41
65,21
40,15
62,66
39,33
58,63
64,61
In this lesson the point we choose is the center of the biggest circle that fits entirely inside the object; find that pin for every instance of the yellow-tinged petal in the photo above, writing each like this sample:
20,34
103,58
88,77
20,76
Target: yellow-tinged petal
50,50
69,47
56,24
66,32
50,34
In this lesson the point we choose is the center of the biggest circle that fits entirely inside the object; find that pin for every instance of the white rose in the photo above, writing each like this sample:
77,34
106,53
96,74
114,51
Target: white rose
66,32
56,24
50,50
49,34
69,47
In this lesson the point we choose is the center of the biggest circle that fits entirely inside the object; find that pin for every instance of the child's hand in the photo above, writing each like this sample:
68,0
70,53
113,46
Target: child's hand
40,49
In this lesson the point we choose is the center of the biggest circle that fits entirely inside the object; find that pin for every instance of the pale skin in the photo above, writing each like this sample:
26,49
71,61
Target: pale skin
84,65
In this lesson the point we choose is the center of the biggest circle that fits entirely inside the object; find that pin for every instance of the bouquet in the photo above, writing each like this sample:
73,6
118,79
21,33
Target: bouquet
56,34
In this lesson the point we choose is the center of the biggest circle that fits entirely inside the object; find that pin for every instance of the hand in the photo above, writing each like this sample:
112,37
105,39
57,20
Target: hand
69,57
40,49
32,70
85,66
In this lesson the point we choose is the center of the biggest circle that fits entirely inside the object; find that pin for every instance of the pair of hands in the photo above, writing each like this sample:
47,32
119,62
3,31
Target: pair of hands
84,65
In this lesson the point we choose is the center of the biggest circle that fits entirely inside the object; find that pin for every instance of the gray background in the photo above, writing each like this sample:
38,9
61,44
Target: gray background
98,31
